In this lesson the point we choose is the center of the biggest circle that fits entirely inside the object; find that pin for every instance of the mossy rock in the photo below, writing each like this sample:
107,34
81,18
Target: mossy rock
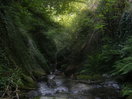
36,98
129,97
38,73
90,77
28,83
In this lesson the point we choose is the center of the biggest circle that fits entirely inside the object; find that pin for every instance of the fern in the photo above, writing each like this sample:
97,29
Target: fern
127,90
124,65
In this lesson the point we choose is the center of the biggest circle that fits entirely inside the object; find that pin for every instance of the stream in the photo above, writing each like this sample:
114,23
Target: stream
59,87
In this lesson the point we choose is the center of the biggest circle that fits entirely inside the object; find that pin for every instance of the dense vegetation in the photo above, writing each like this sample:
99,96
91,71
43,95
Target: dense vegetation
78,37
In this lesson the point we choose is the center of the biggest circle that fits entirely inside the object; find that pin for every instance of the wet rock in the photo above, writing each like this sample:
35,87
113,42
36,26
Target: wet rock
45,90
61,89
57,72
57,86
51,83
32,94
51,76
42,78
106,76
80,88
111,84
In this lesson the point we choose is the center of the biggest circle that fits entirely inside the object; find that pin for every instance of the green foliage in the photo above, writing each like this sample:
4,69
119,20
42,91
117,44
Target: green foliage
110,11
102,61
10,77
30,45
24,42
127,89
38,34
124,65
93,66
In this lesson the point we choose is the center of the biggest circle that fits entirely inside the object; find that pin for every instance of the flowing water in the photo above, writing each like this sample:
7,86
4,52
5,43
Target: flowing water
58,87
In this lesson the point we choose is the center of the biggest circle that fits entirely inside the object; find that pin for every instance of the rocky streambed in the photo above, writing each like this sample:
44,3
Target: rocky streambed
59,87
